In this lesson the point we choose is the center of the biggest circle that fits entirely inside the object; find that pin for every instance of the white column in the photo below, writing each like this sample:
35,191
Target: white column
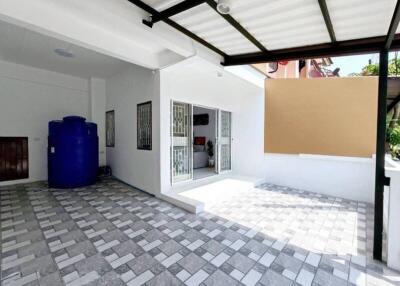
393,224
96,114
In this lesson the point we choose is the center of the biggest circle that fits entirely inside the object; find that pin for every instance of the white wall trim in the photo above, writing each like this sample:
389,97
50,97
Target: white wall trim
336,158
325,157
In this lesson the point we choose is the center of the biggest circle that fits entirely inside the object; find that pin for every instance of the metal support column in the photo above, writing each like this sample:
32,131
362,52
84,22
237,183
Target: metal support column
380,179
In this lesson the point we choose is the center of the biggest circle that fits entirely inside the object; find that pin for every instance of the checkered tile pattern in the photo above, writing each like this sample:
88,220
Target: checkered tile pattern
112,234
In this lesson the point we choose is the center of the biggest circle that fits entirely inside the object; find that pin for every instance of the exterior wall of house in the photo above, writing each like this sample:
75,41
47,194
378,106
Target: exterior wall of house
32,97
346,177
229,93
124,91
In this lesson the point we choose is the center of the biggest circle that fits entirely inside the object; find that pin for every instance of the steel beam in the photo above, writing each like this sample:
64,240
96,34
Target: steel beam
351,47
327,19
380,179
394,23
393,103
175,25
237,26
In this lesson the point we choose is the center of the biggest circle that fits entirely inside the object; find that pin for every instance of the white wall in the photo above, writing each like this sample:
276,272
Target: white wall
96,113
123,92
200,85
392,213
29,99
350,178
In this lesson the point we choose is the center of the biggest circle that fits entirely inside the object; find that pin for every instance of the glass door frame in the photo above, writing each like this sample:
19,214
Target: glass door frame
190,142
217,147
219,142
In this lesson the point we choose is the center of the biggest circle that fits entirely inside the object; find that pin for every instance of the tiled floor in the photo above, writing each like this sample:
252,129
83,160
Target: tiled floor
110,234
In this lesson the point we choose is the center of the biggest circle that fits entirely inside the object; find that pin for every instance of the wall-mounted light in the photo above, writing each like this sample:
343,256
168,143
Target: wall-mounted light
224,6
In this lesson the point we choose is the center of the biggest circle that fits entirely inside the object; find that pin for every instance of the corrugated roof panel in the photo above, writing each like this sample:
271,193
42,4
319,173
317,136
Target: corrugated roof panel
356,19
160,5
280,24
210,26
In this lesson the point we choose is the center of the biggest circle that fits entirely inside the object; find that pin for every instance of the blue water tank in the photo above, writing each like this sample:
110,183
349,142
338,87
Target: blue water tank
73,153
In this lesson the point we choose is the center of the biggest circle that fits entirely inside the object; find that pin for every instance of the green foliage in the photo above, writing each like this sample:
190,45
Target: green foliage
394,67
395,151
394,136
373,69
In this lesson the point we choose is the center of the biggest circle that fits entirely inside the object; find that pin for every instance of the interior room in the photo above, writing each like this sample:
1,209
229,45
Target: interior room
204,142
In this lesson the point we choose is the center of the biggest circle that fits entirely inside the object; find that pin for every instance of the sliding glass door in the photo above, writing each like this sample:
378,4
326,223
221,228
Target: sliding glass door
181,136
182,142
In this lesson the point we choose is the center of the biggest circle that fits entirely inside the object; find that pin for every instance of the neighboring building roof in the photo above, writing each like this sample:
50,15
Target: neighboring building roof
290,69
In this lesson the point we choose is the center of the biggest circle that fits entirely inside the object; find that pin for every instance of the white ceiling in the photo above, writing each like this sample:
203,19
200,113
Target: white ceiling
22,46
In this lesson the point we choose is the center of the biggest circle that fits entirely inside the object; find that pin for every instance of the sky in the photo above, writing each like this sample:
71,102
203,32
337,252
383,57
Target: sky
354,64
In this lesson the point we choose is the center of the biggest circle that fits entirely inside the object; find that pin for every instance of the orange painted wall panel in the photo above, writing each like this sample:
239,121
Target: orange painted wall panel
324,116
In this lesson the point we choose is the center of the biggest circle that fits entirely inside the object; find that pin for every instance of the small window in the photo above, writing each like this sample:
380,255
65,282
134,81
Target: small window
144,139
110,128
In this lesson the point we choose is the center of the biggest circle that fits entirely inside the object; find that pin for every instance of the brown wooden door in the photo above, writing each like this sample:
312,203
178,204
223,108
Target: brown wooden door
14,162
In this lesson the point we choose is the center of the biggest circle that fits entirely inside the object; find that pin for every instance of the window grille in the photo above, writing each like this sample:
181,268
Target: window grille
144,126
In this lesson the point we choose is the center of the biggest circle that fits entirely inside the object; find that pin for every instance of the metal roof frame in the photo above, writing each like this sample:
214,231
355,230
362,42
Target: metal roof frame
158,15
237,26
327,19
334,48
394,102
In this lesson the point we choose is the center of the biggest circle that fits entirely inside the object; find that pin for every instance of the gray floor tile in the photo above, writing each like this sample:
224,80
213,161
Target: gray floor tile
284,224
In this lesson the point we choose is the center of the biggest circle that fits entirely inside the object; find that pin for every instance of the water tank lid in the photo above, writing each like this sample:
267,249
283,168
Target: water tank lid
74,118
